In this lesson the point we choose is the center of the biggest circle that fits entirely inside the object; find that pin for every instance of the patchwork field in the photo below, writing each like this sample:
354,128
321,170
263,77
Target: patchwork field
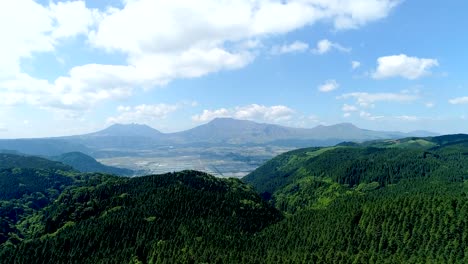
219,161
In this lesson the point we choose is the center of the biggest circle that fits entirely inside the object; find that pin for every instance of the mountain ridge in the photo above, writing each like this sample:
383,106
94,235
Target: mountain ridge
218,132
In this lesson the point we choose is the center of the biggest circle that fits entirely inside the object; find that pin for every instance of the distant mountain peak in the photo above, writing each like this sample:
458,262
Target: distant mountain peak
224,120
132,129
131,125
216,119
346,125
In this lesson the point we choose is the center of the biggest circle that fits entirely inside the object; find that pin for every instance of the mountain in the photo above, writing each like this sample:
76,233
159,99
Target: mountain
232,131
85,163
127,130
134,139
121,137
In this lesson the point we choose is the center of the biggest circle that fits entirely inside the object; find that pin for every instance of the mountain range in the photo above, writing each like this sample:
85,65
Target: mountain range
219,132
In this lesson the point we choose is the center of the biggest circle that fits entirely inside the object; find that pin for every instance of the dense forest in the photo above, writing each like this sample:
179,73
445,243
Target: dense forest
398,201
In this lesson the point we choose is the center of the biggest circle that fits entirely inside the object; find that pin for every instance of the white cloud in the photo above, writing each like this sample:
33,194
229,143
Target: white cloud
255,112
143,113
349,108
459,100
27,27
364,99
328,86
295,47
161,41
208,115
325,45
72,18
403,66
355,64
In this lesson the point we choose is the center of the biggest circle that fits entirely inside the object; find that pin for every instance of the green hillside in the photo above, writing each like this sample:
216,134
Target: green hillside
352,203
9,161
27,185
359,204
177,217
352,164
414,221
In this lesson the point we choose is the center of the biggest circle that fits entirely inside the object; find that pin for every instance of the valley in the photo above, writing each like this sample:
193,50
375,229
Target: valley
224,147
228,161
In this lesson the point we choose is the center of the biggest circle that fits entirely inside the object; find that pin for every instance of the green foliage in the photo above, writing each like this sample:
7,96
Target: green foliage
148,218
403,203
27,188
360,164
411,222
10,161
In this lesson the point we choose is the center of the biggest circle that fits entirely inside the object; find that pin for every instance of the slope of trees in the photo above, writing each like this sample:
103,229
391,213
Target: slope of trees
400,202
179,217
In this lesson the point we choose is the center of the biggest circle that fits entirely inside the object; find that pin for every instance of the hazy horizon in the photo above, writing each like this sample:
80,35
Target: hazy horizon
76,67
197,125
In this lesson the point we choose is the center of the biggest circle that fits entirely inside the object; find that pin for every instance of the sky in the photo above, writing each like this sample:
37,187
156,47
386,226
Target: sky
73,67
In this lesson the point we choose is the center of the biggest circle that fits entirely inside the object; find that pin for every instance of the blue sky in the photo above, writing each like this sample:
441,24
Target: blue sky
71,67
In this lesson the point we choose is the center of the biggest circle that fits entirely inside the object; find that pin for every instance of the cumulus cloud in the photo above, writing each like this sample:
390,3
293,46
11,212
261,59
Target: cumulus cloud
160,40
403,66
255,112
328,86
459,100
28,28
295,47
325,45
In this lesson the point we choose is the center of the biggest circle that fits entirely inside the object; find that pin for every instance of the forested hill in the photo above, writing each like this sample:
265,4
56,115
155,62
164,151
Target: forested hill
400,202
27,185
179,218
384,162
8,161
403,201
